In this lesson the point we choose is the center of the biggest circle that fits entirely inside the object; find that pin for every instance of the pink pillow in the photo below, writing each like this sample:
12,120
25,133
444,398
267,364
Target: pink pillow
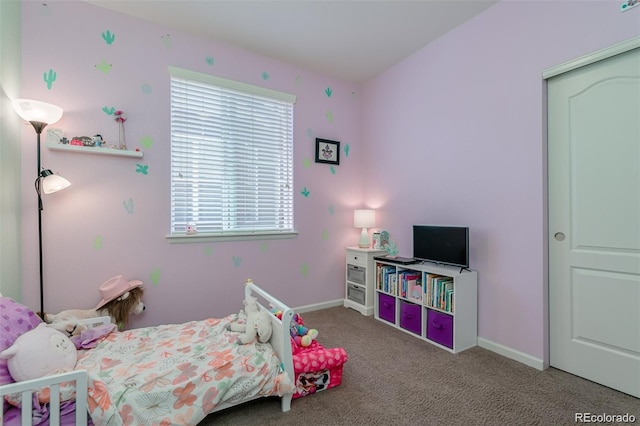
15,319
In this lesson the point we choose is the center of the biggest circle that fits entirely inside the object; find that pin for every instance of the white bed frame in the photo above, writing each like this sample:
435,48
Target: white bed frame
280,341
280,338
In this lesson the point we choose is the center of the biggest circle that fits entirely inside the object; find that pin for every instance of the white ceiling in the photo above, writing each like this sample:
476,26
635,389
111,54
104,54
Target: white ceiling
353,40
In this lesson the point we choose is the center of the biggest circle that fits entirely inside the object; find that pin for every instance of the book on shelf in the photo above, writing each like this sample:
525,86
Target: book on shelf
411,285
415,290
386,278
439,292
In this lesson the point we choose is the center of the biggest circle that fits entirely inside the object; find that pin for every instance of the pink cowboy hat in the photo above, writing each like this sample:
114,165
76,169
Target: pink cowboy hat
115,287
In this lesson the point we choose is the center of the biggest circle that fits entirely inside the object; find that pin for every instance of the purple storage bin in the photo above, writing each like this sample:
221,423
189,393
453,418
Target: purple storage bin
387,307
440,328
410,317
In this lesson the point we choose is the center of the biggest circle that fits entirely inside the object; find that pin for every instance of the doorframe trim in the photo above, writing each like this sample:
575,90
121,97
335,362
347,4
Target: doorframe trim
596,56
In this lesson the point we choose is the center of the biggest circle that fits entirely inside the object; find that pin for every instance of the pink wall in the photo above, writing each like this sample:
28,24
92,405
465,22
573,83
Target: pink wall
459,137
89,236
452,135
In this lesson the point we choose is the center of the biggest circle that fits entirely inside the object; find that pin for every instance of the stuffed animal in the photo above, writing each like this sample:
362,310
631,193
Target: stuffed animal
120,299
40,352
256,325
302,335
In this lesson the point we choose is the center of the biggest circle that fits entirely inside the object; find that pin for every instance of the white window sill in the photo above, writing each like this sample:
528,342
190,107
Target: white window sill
206,238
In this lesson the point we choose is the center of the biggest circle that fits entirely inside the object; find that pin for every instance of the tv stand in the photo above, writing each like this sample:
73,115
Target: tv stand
434,303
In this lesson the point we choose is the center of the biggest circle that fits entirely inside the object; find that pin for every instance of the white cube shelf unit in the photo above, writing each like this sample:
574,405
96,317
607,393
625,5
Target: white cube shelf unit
438,304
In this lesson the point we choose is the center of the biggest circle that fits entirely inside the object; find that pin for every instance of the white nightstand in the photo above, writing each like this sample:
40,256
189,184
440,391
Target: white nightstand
360,279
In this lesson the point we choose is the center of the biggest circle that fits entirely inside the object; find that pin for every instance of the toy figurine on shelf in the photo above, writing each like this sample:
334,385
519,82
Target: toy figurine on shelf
121,118
392,250
82,141
98,141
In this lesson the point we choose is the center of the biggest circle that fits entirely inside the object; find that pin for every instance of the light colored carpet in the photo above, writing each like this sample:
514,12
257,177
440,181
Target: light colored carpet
392,378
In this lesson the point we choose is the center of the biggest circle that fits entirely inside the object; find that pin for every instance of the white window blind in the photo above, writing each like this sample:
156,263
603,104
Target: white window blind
231,156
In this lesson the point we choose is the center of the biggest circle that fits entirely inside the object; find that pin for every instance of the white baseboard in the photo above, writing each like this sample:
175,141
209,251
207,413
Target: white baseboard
318,306
505,351
513,354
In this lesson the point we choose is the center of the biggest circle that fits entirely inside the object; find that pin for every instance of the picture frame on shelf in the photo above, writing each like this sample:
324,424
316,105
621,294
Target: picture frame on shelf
384,239
54,135
327,151
376,241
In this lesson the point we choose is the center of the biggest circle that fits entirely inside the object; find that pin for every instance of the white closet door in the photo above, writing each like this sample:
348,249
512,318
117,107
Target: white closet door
594,221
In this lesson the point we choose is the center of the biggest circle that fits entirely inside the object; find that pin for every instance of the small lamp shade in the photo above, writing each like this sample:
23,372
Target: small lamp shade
37,111
364,219
52,183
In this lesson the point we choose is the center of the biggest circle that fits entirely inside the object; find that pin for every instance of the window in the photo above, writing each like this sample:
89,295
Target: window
231,158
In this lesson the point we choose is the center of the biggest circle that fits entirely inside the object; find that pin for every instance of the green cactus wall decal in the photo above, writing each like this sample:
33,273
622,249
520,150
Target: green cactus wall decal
50,77
108,37
328,92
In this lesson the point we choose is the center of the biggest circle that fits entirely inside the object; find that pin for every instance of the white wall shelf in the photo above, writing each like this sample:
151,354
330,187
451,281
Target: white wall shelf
94,150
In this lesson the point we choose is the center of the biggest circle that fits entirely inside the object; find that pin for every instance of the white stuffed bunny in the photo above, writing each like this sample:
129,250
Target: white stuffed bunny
257,324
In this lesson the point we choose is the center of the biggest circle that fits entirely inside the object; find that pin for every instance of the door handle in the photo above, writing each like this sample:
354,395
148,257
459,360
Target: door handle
559,236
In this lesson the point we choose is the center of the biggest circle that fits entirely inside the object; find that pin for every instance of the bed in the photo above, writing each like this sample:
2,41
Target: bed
168,374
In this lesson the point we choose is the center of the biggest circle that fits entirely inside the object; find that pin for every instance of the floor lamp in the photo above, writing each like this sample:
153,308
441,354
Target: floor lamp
41,114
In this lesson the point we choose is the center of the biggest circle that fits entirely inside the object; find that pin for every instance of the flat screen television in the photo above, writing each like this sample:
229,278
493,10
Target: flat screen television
448,245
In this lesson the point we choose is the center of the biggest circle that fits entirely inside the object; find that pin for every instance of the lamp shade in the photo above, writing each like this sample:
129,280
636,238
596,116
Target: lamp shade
364,218
41,112
52,183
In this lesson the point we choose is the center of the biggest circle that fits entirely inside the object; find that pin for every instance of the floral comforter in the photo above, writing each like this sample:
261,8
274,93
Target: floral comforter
177,374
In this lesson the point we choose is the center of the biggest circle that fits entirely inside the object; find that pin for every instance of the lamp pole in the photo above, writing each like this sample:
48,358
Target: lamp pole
38,126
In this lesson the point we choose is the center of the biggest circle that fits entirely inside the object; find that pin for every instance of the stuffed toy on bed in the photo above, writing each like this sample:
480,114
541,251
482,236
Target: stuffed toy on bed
256,325
40,352
120,299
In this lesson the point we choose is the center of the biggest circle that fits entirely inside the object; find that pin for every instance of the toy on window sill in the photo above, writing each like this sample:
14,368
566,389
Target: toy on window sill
191,228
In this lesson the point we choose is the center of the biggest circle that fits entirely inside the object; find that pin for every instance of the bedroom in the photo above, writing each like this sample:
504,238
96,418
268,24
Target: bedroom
482,106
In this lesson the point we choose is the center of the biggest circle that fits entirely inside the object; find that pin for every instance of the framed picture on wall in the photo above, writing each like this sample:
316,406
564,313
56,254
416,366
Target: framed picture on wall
327,151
